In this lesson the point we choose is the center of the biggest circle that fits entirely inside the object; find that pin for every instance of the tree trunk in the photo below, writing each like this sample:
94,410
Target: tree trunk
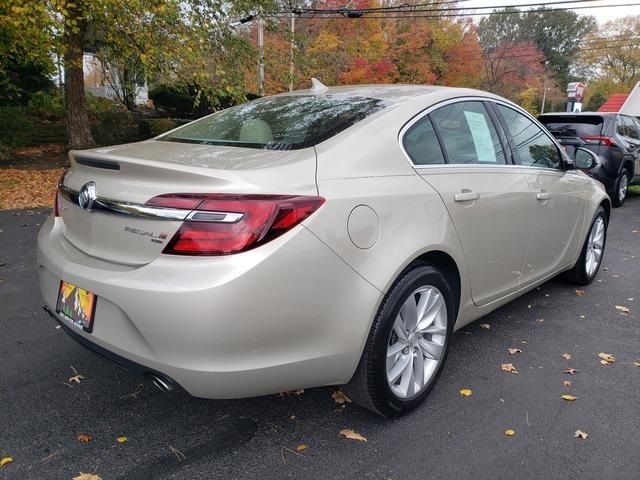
78,131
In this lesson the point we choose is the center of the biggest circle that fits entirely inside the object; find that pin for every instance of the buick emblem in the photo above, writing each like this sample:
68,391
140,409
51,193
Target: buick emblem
87,195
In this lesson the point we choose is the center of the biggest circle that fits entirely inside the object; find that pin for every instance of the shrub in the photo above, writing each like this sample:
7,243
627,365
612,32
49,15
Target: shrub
191,101
152,127
15,127
100,109
46,106
177,101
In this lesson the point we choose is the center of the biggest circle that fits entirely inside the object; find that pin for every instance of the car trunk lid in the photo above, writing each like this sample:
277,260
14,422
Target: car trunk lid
126,177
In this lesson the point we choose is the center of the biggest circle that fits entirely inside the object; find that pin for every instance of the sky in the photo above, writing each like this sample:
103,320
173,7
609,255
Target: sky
602,14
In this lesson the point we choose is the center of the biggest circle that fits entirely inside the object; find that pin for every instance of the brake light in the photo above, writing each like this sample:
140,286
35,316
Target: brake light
56,200
598,140
223,224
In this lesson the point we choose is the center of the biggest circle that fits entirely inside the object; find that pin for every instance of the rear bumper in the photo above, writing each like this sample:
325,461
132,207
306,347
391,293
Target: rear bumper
288,315
111,357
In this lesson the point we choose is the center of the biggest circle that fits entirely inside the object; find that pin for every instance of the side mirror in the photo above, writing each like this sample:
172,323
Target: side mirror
585,159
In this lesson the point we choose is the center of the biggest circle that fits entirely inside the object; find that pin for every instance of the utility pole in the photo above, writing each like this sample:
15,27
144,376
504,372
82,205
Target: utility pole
260,54
544,94
293,31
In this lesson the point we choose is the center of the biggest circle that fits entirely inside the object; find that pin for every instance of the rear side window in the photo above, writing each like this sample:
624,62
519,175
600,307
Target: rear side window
534,147
278,123
468,134
421,143
573,125
630,129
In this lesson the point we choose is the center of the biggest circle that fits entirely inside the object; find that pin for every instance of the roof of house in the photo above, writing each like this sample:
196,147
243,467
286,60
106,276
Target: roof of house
614,103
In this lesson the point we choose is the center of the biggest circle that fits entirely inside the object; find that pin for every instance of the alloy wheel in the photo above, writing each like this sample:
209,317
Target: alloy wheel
417,341
622,187
595,246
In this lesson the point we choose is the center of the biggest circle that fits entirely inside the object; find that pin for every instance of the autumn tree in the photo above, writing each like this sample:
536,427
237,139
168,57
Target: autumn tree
613,54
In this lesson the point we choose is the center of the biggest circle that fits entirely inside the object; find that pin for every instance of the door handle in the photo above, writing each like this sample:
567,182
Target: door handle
466,196
543,195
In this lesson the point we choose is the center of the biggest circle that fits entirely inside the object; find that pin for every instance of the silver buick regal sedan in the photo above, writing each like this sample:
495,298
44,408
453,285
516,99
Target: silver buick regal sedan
321,237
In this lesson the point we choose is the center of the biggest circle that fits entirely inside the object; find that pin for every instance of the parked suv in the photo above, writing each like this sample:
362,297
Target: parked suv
613,137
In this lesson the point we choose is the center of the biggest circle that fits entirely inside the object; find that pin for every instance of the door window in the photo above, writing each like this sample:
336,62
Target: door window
421,143
468,134
533,146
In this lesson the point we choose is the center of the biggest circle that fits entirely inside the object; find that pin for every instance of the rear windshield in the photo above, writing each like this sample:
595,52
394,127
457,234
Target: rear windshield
278,123
572,126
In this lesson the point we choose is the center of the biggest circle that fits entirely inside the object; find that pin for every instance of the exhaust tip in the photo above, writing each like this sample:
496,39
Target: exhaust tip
161,384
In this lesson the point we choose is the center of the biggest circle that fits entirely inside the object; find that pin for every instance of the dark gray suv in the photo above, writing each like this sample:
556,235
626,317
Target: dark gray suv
614,137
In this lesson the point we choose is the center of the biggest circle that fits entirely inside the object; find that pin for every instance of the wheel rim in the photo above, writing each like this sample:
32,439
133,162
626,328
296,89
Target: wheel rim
595,246
622,188
416,343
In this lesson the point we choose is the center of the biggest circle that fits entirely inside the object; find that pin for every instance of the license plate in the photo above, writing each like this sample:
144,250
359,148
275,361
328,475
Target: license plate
76,305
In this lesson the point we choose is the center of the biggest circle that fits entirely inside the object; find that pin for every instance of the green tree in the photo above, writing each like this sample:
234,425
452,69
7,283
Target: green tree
181,40
559,35
595,102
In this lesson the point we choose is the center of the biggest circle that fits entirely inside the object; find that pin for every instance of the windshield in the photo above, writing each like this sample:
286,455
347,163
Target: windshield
572,125
278,123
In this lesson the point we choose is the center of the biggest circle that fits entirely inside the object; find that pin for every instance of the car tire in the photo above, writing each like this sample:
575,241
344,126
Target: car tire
371,386
583,273
619,195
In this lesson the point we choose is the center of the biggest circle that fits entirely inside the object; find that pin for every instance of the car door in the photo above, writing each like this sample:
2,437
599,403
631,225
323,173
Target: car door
457,149
559,206
632,138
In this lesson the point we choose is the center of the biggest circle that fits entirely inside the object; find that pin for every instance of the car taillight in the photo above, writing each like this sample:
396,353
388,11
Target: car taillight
598,140
56,200
223,224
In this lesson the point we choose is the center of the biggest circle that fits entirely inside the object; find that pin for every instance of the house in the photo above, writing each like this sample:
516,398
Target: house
627,103
100,81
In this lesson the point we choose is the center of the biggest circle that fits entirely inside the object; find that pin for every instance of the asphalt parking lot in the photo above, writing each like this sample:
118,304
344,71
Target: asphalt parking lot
174,436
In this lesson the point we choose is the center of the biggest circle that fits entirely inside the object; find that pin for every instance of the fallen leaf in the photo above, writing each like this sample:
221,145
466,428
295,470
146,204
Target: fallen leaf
486,326
579,293
5,460
566,356
339,397
509,433
508,367
352,435
606,358
569,398
567,383
623,310
83,437
513,351
465,392
77,377
291,392
302,448
121,439
571,371
637,364
581,434
87,476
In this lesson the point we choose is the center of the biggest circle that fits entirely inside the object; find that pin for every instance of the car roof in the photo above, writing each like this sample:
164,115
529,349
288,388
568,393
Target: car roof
580,114
395,93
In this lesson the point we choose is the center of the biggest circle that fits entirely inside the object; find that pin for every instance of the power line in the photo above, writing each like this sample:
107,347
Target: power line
419,7
410,14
